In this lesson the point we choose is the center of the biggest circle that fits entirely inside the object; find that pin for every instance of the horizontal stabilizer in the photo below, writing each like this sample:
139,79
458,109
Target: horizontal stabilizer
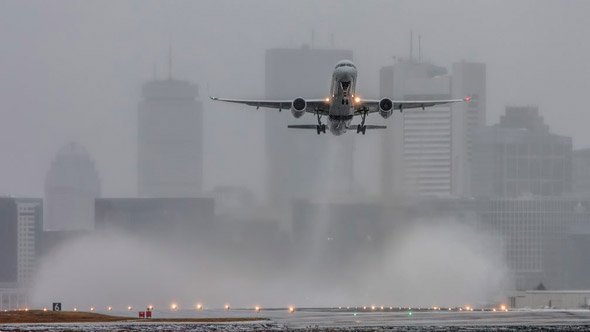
302,126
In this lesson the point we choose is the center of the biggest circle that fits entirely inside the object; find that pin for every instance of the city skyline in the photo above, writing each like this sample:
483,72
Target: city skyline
91,97
118,169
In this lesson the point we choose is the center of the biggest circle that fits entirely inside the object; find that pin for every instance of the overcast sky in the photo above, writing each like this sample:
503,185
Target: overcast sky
72,70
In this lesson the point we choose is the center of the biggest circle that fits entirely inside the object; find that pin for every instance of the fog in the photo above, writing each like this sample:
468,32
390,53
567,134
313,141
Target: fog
449,264
73,71
415,262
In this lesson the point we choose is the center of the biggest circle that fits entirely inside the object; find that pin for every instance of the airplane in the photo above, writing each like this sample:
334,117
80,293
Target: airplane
342,105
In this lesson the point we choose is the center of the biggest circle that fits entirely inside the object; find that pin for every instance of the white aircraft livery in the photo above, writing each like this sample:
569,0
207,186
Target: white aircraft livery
342,105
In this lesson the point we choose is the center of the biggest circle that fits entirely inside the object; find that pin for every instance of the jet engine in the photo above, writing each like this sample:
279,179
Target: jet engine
298,107
385,107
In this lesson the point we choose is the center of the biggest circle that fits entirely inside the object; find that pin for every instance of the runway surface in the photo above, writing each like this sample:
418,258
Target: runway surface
335,320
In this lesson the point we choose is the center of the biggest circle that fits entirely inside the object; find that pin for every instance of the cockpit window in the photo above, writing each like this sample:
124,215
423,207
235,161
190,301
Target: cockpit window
345,65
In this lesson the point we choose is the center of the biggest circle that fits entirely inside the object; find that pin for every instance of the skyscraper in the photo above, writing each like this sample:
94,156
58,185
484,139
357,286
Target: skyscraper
71,185
8,240
170,140
427,152
29,229
469,79
418,143
296,158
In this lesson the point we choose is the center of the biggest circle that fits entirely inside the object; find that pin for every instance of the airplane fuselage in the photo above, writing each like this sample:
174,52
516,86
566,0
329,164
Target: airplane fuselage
342,94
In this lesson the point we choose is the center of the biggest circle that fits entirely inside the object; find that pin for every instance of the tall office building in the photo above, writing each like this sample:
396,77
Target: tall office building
20,230
296,158
426,152
170,140
71,185
520,156
468,79
29,229
8,240
419,142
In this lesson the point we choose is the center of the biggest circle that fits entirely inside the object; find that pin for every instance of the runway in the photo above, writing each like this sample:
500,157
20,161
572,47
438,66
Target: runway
345,320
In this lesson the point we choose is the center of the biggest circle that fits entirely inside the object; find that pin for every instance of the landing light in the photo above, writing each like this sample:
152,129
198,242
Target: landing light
291,310
44,309
110,308
174,307
357,99
200,306
327,100
129,308
467,99
91,308
257,308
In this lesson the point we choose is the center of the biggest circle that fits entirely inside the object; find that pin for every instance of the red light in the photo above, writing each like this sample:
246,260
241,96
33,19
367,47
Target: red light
467,99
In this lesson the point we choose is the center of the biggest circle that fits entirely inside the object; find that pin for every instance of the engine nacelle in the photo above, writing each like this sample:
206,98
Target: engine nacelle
298,107
385,107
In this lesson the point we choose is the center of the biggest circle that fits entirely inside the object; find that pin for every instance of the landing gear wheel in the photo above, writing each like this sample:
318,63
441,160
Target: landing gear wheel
321,128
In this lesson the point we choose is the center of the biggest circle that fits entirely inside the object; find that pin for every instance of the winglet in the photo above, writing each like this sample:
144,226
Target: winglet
467,99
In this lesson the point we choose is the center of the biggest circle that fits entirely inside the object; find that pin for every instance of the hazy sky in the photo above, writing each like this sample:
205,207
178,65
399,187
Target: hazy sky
72,70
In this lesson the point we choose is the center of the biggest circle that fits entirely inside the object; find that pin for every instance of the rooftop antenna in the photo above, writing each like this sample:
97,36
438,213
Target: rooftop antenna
170,61
411,45
420,48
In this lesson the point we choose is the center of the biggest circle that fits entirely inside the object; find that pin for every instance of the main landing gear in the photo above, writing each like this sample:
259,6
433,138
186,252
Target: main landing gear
361,128
320,128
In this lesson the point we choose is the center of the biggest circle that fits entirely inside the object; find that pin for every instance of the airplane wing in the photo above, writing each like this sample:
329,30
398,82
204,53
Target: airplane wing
372,106
313,105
